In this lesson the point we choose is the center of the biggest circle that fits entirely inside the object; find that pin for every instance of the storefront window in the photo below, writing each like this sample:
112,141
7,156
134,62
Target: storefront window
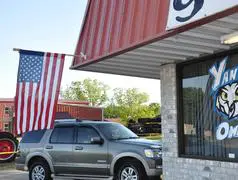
209,108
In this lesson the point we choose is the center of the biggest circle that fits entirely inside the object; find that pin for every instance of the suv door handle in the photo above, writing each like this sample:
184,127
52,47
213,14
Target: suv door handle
78,148
49,147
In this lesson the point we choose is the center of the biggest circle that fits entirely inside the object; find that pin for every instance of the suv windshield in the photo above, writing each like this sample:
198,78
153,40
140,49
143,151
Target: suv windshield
116,131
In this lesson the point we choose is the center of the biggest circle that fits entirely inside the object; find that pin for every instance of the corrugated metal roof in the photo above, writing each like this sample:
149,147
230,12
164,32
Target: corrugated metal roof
63,101
60,101
112,25
138,46
6,100
81,112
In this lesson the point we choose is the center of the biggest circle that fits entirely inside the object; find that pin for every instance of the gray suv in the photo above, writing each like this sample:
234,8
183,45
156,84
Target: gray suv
88,150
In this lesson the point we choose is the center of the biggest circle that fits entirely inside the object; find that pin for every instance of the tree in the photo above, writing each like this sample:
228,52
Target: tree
112,111
91,90
130,104
130,97
155,108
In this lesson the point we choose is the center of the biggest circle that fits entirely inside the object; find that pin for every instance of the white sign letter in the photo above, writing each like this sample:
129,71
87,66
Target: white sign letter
233,132
217,74
233,74
222,127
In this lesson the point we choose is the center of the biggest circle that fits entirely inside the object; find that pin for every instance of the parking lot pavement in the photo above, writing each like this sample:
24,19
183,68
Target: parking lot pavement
15,175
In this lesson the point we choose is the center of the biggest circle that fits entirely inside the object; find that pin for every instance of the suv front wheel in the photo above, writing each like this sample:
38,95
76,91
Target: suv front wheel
131,170
39,171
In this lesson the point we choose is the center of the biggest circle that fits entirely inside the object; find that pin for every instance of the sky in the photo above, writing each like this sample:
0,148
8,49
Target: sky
52,26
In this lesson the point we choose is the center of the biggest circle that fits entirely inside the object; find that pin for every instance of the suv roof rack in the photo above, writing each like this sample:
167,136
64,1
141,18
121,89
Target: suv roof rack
59,121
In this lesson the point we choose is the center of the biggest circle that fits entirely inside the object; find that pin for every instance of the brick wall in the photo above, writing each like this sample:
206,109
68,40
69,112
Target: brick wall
174,167
5,118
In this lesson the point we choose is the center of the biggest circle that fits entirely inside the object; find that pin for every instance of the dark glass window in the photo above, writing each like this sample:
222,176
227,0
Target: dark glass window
85,134
6,127
33,136
64,135
209,108
7,110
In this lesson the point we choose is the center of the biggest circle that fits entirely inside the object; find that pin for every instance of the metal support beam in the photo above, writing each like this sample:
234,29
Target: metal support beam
118,71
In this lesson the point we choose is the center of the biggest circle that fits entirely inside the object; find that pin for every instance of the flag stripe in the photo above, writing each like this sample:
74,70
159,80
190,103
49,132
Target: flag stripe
44,91
41,92
36,106
62,57
29,106
25,94
44,120
55,83
32,111
18,101
51,91
22,105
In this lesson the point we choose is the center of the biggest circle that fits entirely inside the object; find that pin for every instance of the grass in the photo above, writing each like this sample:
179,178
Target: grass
153,136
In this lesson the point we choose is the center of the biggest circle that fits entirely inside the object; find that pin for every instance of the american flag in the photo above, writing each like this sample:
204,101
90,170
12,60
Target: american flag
38,86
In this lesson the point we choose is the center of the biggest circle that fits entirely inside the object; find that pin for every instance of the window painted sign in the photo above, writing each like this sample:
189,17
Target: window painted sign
182,12
225,96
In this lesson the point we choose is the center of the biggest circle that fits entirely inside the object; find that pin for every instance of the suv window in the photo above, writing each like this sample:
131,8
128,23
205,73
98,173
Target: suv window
64,135
33,136
85,134
114,131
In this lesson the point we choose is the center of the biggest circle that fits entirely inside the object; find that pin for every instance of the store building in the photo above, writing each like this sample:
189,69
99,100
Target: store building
192,48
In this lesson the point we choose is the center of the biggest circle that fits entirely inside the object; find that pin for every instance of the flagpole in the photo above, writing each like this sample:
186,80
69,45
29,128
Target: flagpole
81,54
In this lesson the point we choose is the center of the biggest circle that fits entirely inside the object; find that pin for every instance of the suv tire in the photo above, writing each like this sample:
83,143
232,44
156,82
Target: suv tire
131,169
41,170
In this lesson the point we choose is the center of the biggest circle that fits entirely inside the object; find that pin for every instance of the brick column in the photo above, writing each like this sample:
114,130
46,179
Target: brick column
169,118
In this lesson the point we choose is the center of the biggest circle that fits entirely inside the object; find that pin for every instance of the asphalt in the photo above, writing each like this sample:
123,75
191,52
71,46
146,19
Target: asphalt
15,175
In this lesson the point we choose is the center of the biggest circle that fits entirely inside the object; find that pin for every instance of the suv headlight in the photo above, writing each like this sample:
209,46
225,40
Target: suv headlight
153,153
149,153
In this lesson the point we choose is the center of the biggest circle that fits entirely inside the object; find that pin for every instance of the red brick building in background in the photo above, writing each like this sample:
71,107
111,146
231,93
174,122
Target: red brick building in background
6,114
65,109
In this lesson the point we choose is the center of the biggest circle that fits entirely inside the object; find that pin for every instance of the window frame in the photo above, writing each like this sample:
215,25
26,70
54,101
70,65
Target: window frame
86,126
179,95
64,126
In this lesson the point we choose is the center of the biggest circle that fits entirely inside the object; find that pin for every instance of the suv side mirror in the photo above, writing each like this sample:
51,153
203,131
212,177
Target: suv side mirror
97,140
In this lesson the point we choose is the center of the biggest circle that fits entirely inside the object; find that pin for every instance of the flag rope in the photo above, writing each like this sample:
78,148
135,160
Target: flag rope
10,152
81,54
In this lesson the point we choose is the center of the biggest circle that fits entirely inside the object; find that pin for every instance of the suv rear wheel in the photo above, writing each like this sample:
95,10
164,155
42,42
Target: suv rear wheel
131,170
39,171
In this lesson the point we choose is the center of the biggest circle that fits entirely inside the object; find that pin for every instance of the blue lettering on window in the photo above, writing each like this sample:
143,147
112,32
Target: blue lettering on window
179,6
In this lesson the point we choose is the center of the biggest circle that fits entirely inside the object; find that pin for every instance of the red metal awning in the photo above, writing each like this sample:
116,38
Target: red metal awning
111,26
129,37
